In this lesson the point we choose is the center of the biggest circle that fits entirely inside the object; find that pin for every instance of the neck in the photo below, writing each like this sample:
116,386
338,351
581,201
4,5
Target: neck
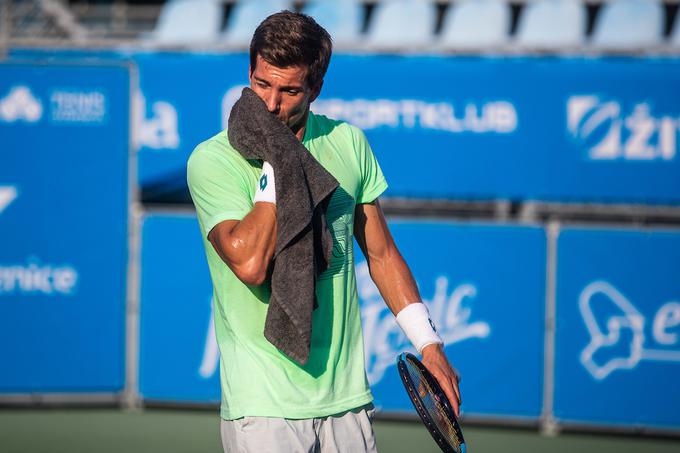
300,132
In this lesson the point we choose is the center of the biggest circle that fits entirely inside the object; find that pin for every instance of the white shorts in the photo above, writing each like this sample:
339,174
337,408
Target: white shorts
350,431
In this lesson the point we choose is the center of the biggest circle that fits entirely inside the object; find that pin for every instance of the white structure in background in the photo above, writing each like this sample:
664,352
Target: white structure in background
342,19
246,15
475,24
552,25
629,25
183,22
402,24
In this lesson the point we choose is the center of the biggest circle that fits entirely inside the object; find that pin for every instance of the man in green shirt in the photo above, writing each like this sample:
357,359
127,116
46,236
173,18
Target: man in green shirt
269,402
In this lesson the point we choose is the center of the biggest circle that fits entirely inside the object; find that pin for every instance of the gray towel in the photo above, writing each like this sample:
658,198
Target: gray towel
304,244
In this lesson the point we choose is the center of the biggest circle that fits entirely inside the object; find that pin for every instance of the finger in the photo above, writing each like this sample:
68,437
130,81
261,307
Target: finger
446,384
455,402
457,390
456,382
422,389
458,376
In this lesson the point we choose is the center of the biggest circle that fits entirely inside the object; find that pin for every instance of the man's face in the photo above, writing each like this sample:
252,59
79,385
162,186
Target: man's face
285,92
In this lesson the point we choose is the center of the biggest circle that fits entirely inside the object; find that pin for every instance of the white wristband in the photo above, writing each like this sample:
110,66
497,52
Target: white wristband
415,321
266,188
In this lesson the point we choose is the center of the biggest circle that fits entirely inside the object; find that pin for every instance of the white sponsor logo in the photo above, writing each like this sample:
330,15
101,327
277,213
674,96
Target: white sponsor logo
20,105
617,340
495,116
72,106
383,339
211,352
7,195
636,136
36,278
160,130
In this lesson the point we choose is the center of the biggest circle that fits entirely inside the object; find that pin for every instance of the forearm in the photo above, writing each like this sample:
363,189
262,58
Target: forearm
247,248
400,292
394,281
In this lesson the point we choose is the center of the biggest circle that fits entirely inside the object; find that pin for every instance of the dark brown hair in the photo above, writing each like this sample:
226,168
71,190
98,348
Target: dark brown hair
293,39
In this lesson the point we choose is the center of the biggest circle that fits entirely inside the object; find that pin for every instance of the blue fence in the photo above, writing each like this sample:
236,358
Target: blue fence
64,157
179,360
618,327
64,141
617,320
477,300
570,129
482,307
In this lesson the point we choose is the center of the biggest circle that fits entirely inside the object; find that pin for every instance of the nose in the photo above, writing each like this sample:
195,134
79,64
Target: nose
273,102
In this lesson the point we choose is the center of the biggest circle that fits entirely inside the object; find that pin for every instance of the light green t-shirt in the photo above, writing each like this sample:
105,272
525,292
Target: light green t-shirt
256,378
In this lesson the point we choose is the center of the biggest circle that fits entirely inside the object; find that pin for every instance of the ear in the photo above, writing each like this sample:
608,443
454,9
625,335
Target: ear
315,92
250,72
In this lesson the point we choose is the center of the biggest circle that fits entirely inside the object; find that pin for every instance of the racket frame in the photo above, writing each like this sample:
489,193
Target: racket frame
438,394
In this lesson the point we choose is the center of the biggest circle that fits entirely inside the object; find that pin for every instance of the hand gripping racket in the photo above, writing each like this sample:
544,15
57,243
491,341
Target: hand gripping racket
431,404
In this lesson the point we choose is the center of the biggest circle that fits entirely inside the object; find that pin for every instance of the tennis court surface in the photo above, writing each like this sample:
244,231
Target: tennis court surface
168,431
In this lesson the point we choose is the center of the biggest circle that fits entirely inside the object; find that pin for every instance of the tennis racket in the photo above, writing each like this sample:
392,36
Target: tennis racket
431,404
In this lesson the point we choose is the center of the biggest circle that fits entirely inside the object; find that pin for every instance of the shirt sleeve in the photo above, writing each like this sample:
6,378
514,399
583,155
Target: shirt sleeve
373,182
219,191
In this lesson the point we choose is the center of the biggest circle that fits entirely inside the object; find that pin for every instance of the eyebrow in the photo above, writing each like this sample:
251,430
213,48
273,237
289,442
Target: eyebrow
286,87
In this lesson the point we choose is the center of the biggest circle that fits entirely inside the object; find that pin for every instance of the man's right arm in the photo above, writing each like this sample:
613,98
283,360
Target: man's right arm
242,230
247,245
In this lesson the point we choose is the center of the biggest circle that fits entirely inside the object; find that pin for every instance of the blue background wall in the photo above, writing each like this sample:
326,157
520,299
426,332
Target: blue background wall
556,129
482,306
485,288
525,128
618,327
64,140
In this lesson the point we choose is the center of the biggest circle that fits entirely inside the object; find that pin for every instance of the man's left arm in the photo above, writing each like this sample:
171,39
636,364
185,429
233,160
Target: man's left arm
395,282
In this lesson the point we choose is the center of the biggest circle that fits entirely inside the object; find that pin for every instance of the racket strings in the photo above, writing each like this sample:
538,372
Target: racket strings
433,406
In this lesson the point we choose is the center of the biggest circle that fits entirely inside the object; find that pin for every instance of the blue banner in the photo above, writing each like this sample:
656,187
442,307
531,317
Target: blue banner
517,128
65,144
554,129
179,359
485,289
618,327
482,306
172,121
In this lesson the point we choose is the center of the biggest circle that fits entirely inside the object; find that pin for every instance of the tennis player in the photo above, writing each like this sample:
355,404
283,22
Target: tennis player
269,402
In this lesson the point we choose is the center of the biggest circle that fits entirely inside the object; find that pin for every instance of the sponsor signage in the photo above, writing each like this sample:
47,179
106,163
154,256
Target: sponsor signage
482,308
618,327
490,314
552,129
179,358
64,141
